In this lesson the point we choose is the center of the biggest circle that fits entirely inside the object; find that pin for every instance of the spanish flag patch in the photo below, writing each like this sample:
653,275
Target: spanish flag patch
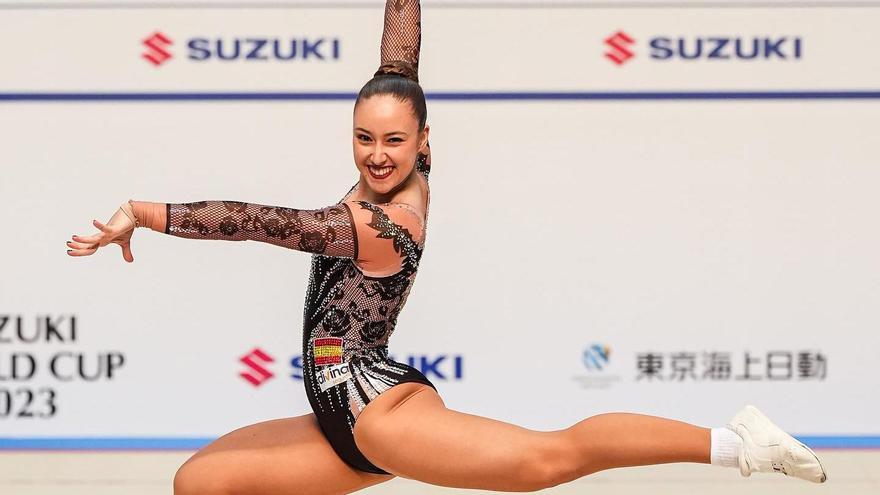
328,350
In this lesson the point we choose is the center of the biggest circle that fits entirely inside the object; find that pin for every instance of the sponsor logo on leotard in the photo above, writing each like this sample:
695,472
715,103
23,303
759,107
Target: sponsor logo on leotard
328,350
333,375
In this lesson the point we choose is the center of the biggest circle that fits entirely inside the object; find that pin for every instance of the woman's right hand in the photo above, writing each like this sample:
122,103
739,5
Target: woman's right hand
117,231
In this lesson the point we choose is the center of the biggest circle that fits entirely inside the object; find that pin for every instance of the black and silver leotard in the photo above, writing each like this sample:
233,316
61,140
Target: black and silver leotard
349,315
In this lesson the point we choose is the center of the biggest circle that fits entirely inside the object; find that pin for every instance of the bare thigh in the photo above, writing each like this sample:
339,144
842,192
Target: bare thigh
281,456
408,431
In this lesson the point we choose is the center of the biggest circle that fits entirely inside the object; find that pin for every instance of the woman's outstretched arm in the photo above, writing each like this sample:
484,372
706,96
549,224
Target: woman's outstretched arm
329,231
377,237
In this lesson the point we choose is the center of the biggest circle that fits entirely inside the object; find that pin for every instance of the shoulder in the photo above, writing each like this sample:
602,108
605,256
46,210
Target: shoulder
387,220
388,236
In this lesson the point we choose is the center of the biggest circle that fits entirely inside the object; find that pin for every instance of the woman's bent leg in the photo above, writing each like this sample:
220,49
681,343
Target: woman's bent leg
408,431
276,457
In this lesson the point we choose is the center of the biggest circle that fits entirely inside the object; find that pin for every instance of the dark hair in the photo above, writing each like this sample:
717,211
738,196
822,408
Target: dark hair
399,79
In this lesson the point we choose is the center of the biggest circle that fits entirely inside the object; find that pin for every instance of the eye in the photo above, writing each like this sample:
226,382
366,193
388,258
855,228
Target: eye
363,137
396,140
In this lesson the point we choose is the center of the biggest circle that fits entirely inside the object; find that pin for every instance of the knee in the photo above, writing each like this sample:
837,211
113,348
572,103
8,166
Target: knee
192,479
550,464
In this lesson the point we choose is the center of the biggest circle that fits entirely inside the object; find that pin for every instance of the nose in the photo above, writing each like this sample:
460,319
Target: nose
378,156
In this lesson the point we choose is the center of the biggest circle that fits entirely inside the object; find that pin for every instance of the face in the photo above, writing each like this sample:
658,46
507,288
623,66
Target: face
386,142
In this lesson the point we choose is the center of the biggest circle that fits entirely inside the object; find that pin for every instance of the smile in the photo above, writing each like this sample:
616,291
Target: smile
380,172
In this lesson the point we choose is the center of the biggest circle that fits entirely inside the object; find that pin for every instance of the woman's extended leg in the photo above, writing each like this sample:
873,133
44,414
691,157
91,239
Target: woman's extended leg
281,456
409,431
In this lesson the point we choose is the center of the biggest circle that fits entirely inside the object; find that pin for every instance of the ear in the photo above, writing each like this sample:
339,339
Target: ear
423,141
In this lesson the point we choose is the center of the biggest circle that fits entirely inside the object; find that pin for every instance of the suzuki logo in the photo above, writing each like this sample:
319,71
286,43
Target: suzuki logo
619,43
156,52
257,374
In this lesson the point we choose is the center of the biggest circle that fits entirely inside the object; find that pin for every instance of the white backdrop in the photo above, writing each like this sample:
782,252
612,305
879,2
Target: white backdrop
670,228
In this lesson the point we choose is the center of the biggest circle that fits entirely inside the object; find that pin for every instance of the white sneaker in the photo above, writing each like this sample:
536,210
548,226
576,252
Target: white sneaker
768,449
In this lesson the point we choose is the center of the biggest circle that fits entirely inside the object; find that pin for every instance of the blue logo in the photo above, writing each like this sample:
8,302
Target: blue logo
263,49
440,366
245,49
623,48
596,356
443,367
727,48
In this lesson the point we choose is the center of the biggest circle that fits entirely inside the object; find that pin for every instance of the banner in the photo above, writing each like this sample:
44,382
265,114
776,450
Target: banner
678,257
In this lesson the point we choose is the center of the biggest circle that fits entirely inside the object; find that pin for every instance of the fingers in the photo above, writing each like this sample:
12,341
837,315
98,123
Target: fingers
126,252
101,226
88,240
91,242
84,246
81,245
87,245
81,251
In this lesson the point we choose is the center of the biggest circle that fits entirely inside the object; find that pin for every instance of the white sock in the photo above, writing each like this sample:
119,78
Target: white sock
726,445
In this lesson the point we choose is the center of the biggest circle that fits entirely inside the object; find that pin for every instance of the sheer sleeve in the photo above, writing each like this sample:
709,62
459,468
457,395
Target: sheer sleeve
402,35
329,231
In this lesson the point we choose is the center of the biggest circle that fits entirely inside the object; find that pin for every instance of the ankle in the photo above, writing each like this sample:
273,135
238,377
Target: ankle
725,447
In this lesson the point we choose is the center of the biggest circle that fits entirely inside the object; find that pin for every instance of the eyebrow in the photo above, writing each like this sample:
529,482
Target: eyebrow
387,134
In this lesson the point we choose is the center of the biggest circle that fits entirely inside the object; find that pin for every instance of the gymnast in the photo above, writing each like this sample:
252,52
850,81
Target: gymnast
374,418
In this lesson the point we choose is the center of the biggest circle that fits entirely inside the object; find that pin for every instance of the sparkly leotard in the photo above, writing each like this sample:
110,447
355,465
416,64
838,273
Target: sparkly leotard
349,315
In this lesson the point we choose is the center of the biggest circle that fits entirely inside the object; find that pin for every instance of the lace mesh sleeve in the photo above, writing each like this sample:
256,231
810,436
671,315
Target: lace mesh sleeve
329,231
402,35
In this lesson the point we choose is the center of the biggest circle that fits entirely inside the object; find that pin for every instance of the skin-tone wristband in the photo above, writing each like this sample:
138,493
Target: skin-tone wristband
147,214
130,216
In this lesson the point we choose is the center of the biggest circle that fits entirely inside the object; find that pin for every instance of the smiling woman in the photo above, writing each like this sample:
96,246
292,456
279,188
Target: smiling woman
374,418
390,126
387,141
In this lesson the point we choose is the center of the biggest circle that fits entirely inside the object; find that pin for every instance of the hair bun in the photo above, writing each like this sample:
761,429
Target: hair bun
398,68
